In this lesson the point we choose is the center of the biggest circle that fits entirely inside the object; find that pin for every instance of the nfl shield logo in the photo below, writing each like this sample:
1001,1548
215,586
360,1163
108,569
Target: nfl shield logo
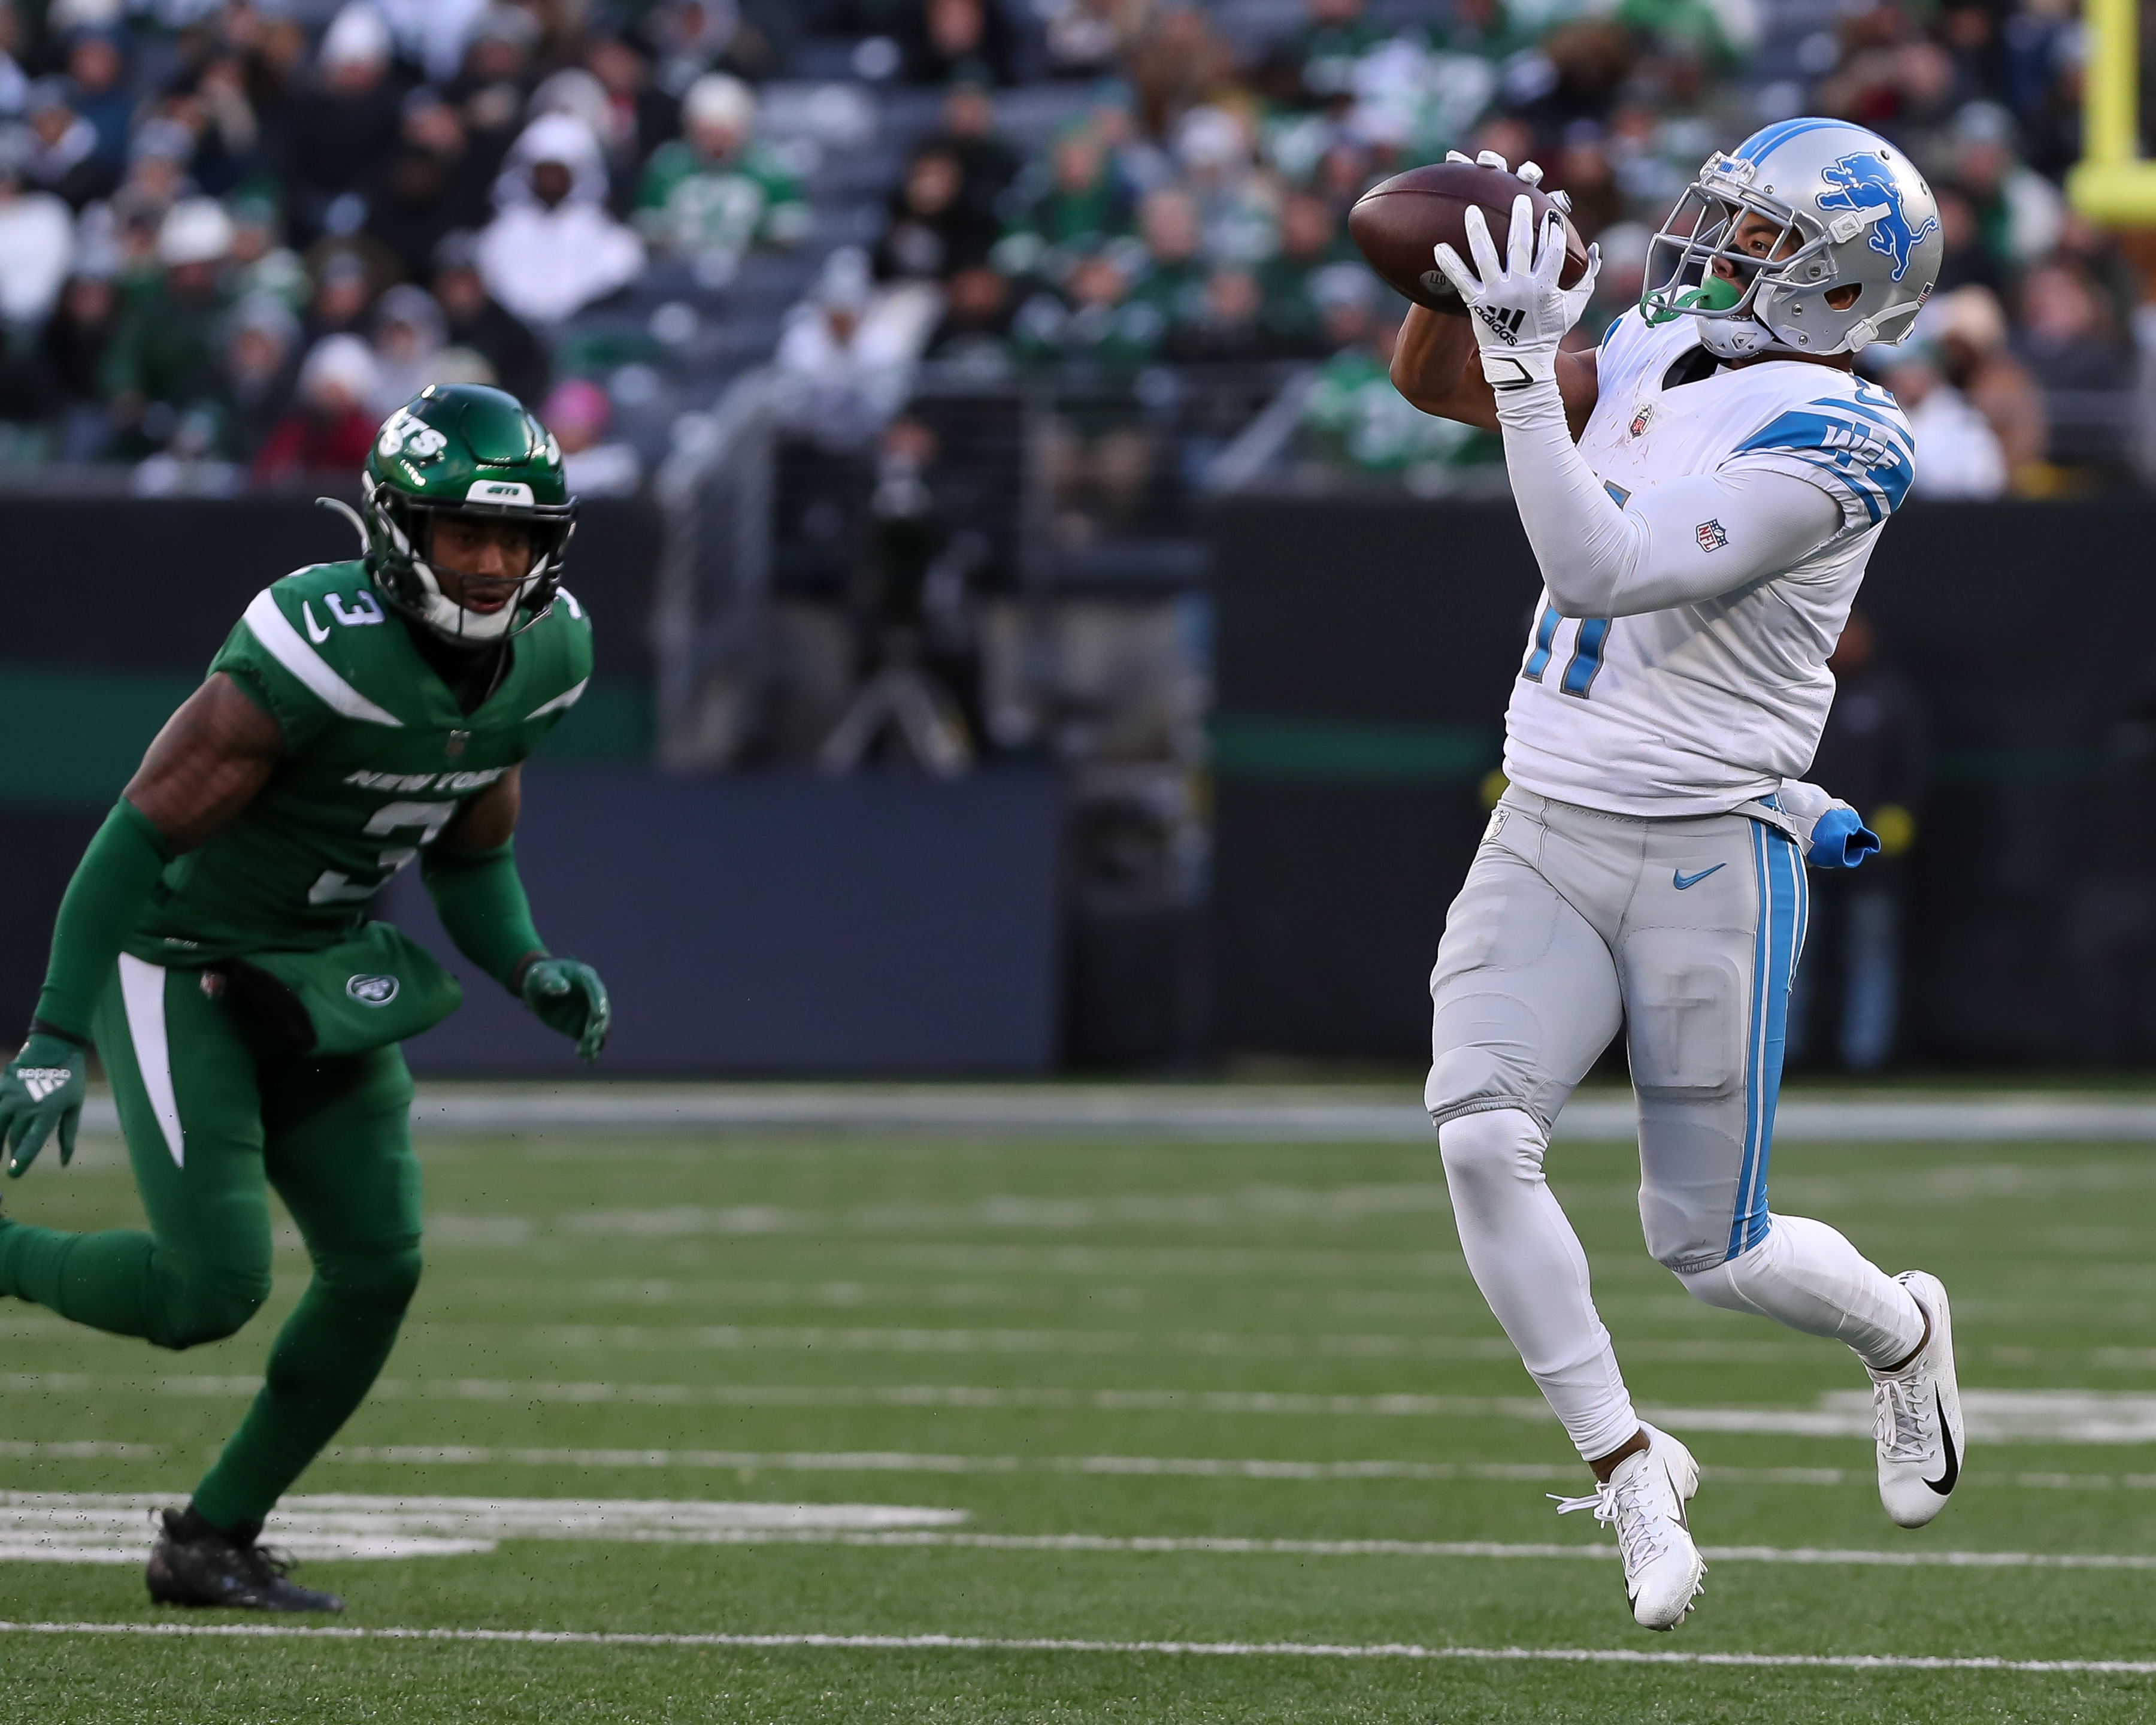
1712,538
1642,419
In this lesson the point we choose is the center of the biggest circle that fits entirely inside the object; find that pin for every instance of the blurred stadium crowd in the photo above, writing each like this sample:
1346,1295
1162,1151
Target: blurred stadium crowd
232,235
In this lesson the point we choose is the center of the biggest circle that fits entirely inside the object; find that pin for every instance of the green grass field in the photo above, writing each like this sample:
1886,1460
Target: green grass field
1104,1390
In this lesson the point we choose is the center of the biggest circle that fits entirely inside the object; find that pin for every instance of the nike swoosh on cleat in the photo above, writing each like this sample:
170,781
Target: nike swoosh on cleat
1681,879
1945,1482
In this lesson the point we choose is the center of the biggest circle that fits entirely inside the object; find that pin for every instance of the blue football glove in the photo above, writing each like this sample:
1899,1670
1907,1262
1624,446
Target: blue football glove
41,1092
1840,840
567,996
1833,834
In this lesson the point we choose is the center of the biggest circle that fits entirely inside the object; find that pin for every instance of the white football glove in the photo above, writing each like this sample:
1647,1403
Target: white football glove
1528,171
1520,313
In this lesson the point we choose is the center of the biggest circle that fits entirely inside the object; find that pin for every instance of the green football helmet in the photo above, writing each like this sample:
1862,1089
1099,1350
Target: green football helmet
461,449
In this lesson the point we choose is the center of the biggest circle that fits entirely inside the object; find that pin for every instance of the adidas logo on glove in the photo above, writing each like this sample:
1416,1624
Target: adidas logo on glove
41,1081
1506,323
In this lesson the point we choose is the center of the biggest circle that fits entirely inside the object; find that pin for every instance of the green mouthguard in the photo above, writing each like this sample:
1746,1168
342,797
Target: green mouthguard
1717,293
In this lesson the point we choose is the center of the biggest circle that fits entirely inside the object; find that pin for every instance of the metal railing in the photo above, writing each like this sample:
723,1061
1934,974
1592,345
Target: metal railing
710,639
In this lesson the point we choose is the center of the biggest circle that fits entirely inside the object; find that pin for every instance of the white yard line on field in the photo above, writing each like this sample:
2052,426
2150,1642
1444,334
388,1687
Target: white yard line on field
1176,1466
1211,1344
113,1527
1405,1650
76,1449
804,1395
104,1528
2073,1416
1195,1113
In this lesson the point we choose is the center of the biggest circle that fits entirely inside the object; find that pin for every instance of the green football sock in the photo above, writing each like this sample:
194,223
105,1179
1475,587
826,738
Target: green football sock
324,1363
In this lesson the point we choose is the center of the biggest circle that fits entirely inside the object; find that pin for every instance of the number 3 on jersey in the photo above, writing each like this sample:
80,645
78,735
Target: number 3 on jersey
1584,665
331,887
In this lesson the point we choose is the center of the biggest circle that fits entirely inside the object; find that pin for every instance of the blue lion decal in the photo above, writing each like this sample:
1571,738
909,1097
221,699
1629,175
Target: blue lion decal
1865,184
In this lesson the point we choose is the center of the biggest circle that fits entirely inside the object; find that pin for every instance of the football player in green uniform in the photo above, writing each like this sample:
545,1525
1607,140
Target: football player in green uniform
214,948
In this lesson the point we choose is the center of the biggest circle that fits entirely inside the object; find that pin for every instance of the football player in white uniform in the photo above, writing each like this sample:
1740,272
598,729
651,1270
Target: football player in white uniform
1700,546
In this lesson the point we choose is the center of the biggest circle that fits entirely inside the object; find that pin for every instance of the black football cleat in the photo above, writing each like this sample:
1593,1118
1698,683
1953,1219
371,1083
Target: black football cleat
193,1564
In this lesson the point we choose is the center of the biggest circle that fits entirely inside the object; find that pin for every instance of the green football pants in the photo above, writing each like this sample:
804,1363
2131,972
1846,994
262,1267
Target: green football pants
209,1129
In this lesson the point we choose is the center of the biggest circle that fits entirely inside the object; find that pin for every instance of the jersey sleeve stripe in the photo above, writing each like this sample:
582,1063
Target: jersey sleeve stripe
1886,419
282,642
1870,461
561,703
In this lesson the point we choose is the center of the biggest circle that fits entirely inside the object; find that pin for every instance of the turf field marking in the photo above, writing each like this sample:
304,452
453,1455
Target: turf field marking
113,1527
1992,1415
103,1527
794,1395
1180,1466
77,1450
1019,1644
902,1461
1200,1114
1211,1344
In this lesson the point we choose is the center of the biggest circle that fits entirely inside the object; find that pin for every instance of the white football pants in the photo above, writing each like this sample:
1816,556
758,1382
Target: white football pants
1684,933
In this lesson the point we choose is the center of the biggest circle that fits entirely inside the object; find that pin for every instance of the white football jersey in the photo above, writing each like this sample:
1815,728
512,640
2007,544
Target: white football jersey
1703,707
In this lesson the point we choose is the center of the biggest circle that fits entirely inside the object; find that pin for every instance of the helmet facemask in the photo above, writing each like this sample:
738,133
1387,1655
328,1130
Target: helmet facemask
402,533
1756,301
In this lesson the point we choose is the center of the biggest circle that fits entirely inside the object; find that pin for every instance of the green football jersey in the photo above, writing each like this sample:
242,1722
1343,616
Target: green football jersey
377,760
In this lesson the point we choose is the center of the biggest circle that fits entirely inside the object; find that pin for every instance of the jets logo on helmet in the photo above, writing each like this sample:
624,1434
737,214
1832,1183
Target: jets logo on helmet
460,449
413,439
1812,236
1864,183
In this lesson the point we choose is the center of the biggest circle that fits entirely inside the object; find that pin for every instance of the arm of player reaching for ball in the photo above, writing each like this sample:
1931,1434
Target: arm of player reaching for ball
470,874
1437,367
214,753
1685,540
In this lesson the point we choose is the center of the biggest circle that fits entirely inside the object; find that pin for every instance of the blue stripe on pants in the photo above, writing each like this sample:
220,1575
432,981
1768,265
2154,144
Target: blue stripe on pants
1783,908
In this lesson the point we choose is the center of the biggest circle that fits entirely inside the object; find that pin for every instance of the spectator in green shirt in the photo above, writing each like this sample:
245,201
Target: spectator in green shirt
1094,323
1290,316
1058,217
165,353
1174,281
715,193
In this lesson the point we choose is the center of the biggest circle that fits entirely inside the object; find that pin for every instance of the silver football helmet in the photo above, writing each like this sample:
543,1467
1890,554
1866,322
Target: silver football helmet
1847,210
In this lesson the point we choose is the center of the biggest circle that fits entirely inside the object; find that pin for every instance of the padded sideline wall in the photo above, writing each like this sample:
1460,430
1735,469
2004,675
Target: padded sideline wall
1366,652
756,925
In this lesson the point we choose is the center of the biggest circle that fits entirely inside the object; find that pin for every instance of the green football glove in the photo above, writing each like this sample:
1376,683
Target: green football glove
42,1090
567,996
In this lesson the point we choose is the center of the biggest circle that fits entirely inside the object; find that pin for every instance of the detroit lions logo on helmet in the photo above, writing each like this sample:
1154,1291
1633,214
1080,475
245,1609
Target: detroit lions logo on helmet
1863,182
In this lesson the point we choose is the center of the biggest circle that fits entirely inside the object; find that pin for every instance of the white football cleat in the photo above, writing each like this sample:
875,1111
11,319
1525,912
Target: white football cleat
1916,1415
1644,1500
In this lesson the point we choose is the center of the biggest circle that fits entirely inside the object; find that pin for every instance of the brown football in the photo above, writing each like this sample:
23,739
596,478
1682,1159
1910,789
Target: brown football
1399,224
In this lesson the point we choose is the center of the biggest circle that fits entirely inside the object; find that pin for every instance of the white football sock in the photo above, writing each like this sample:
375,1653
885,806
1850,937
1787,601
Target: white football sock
1805,1275
1528,1263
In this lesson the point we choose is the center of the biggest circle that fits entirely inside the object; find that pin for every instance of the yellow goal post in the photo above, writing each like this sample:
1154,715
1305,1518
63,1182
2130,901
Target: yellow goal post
2113,183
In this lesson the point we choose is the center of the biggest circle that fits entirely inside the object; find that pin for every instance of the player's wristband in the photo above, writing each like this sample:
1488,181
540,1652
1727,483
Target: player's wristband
103,903
1508,370
481,901
40,1027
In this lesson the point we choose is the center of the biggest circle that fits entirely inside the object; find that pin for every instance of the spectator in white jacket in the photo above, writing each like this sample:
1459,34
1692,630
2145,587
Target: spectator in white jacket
553,250
1957,453
37,241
